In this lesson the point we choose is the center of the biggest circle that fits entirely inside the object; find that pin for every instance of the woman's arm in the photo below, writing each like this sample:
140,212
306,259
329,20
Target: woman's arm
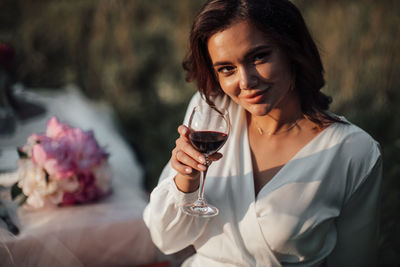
357,225
172,230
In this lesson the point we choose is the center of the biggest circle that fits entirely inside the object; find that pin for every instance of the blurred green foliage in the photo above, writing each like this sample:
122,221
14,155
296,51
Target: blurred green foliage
126,52
129,53
360,43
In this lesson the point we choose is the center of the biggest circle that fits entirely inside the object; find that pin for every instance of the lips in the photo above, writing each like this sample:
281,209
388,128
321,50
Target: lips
255,97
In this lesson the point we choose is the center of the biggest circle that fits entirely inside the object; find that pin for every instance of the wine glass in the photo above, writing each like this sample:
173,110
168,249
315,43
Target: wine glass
208,131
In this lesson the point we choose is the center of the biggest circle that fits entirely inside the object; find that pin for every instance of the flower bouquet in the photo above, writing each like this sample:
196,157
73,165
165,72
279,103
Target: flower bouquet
64,166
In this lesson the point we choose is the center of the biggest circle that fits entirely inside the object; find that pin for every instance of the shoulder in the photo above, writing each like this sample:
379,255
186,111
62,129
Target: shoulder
349,146
195,100
359,156
358,152
353,138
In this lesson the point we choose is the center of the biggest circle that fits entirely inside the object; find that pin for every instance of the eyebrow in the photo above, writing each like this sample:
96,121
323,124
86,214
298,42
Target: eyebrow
252,51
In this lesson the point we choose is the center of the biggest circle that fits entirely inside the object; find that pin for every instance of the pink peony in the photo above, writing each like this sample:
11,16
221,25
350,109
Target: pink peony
66,150
87,192
55,157
86,151
56,129
67,166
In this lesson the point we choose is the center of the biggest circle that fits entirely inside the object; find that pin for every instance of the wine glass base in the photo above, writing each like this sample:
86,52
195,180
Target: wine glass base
200,211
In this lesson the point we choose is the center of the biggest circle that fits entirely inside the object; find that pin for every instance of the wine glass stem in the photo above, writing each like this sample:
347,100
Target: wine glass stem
200,199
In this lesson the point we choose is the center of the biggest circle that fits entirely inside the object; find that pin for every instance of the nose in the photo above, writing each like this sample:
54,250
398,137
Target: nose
248,78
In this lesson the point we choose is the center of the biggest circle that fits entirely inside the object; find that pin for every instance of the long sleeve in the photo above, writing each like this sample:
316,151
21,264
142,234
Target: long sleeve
357,226
171,229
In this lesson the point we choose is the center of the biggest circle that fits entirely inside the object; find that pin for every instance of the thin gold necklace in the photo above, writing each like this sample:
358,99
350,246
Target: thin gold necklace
261,131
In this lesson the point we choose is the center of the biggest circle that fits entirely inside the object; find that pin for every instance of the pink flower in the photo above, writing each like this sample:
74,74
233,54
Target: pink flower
56,129
64,150
86,151
67,166
35,138
87,192
55,157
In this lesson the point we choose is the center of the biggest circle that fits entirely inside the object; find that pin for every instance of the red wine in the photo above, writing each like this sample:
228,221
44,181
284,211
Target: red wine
207,142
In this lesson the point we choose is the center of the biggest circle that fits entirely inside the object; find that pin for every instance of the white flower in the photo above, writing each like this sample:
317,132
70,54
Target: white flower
70,184
35,200
32,181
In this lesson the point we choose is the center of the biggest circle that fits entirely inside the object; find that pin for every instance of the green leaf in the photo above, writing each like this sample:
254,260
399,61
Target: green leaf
22,199
22,154
15,191
17,194
47,176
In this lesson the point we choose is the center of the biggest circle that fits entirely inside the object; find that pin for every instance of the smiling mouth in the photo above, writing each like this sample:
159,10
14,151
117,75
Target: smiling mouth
256,97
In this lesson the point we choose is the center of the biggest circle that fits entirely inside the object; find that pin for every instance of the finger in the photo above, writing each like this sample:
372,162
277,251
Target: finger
183,168
216,156
183,158
183,131
179,167
188,149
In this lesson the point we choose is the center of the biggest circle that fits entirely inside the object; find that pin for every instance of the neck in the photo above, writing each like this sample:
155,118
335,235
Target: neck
279,120
267,125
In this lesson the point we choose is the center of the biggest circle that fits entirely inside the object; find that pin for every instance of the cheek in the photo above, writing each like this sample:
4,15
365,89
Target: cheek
267,71
274,72
229,86
282,70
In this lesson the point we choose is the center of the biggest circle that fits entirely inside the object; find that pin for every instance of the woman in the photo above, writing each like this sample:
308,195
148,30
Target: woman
295,185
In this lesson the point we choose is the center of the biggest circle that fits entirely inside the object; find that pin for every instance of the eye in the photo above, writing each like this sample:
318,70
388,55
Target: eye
225,70
261,57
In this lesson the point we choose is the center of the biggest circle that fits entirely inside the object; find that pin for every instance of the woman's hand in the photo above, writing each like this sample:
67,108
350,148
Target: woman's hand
188,162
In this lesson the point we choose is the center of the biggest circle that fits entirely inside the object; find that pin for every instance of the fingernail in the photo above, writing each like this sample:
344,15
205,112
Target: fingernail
184,131
202,159
188,170
201,167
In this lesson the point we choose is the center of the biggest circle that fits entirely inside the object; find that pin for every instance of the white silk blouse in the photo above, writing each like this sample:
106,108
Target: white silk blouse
321,207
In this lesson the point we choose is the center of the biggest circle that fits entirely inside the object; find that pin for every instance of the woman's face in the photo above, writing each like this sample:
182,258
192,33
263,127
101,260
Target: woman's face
250,69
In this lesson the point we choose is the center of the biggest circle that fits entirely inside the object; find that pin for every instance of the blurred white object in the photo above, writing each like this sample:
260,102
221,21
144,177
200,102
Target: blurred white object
110,232
8,160
71,106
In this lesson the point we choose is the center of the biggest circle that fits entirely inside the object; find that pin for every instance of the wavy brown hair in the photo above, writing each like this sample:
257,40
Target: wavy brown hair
284,24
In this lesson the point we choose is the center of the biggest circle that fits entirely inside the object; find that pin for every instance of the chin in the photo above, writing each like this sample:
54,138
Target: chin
259,110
